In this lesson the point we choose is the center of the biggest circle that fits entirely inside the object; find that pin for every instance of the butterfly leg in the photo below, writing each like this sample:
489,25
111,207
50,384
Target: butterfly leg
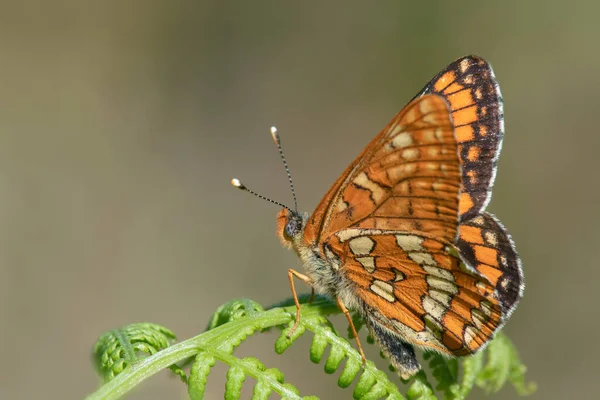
291,274
349,317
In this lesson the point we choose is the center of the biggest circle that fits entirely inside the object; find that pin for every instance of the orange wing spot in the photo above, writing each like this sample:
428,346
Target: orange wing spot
443,261
357,275
384,274
486,255
461,311
464,133
455,87
465,203
460,99
397,310
474,153
444,81
454,326
490,273
483,130
471,234
472,174
465,116
432,245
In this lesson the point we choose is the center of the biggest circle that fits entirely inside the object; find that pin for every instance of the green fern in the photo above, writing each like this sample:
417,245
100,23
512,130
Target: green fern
127,356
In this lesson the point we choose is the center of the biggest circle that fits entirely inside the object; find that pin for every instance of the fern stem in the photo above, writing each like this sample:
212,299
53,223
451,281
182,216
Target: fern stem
213,338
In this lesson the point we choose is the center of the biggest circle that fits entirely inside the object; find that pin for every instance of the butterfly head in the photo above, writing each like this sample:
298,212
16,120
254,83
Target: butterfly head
290,225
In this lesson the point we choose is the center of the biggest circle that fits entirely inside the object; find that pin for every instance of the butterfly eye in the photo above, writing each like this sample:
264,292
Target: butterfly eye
292,227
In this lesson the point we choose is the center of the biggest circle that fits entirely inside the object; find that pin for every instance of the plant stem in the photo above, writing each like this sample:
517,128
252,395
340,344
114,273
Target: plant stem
149,366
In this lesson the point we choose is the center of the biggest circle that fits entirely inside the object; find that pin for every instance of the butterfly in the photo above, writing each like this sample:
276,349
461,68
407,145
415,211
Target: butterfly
402,237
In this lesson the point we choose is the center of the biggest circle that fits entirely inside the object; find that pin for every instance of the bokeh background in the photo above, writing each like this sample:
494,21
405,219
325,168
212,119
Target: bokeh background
122,123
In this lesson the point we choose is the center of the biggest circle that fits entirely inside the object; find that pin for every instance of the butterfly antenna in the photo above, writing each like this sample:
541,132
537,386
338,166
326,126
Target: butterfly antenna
285,164
240,185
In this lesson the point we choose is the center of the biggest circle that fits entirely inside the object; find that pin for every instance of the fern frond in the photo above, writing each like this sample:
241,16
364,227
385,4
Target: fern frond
120,356
121,348
503,364
372,384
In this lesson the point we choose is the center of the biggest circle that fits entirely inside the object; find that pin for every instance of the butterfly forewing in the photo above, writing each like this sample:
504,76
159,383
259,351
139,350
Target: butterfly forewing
406,179
470,88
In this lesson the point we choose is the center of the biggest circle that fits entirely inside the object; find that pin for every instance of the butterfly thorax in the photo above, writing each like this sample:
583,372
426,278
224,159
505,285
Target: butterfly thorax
290,230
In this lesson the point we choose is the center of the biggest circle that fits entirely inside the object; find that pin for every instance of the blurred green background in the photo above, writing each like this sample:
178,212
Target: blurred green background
122,123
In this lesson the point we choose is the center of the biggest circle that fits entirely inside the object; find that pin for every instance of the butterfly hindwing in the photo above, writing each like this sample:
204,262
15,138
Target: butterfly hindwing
470,88
407,178
412,287
486,245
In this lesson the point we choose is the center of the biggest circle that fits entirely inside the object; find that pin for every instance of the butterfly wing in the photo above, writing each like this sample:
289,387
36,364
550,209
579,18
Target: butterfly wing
412,288
470,88
486,245
472,92
406,179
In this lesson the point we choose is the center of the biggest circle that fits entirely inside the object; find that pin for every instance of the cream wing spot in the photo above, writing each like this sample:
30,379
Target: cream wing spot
399,276
433,308
384,290
361,245
439,134
478,220
410,154
486,307
503,260
432,166
426,336
403,139
368,263
469,334
481,286
442,297
491,238
464,64
478,318
426,107
422,258
442,285
409,242
351,233
341,206
376,191
433,326
433,152
429,136
439,272
395,130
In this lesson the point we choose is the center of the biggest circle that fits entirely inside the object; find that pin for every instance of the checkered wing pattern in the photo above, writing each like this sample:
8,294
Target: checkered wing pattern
407,179
417,290
470,88
486,246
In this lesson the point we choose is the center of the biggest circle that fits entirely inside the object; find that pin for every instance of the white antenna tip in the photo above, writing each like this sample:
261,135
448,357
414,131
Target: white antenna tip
274,134
237,183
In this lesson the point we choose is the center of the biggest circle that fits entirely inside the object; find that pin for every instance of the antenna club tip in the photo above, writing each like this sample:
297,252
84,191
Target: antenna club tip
274,134
235,182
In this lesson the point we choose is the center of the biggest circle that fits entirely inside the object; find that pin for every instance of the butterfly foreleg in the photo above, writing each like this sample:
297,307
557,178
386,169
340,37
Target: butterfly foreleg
291,274
354,332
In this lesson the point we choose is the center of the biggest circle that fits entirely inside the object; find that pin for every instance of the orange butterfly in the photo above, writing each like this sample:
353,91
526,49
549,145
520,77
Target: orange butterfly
402,237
